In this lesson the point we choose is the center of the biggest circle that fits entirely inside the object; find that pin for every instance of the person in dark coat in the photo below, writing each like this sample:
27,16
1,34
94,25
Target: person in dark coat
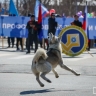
76,21
19,41
32,27
12,39
29,15
52,24
79,24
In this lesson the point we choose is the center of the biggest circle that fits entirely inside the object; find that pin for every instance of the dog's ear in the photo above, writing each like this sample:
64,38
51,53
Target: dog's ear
53,37
59,38
50,37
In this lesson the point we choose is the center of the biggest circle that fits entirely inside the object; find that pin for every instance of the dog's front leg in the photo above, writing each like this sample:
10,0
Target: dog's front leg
67,68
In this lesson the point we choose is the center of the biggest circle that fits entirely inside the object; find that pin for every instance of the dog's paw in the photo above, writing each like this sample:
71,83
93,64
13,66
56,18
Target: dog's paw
49,81
77,74
42,85
57,76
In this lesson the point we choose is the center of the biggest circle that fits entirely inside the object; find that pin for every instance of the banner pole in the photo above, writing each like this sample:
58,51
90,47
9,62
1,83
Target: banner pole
22,43
42,42
90,53
2,42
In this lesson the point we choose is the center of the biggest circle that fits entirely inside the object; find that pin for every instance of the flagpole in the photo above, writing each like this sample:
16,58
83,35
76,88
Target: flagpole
2,42
36,11
42,42
86,2
17,4
76,5
86,19
43,37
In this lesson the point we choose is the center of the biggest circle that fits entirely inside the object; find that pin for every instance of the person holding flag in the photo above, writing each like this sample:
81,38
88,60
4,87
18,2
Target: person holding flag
40,13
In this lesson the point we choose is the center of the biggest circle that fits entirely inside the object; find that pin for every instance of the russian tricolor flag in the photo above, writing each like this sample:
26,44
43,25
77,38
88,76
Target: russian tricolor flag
85,21
40,23
40,15
85,24
44,10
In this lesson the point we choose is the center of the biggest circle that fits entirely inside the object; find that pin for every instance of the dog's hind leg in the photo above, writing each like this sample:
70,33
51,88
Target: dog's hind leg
38,80
43,76
56,74
68,69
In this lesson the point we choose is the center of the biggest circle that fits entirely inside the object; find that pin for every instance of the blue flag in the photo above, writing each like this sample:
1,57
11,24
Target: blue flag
12,8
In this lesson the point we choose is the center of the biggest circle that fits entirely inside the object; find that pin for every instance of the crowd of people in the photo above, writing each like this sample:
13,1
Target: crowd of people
33,30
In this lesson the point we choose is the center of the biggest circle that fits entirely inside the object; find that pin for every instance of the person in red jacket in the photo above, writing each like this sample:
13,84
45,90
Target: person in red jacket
32,27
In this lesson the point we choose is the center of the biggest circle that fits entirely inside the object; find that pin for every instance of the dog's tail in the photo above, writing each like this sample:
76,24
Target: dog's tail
39,53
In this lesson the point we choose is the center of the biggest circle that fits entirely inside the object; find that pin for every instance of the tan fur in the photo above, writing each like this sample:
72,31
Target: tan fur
39,53
44,63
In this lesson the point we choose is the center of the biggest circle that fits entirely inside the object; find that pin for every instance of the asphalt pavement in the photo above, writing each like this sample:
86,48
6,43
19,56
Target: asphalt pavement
16,78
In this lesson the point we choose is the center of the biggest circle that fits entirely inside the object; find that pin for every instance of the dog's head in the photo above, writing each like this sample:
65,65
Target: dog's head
53,39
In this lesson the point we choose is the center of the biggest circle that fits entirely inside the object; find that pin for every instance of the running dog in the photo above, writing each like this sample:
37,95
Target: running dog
45,62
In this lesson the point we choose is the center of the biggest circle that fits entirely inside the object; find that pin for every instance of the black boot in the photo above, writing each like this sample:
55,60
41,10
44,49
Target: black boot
28,52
